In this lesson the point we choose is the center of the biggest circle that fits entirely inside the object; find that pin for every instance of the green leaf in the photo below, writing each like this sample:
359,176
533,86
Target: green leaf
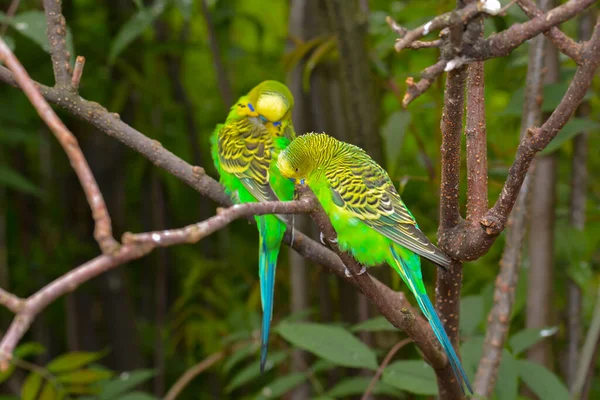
29,349
32,25
571,128
14,180
31,386
413,376
238,356
471,314
73,360
526,338
137,396
358,385
508,378
253,370
541,381
393,132
124,382
321,365
133,28
48,392
281,386
329,342
376,324
84,376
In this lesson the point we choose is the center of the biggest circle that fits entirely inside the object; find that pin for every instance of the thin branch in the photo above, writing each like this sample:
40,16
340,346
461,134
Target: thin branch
57,38
135,246
564,43
588,351
191,373
10,13
10,301
384,364
457,17
428,76
77,72
503,43
103,229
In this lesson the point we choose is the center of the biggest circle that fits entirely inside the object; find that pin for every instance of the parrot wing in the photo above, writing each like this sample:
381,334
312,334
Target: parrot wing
364,190
245,150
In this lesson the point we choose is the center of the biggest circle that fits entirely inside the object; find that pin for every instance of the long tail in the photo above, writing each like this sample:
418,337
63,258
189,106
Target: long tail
412,277
267,264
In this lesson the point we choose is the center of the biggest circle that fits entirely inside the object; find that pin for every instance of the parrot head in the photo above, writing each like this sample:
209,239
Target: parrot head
270,103
305,157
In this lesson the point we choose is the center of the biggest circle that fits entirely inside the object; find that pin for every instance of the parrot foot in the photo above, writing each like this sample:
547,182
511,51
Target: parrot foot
322,238
334,240
350,275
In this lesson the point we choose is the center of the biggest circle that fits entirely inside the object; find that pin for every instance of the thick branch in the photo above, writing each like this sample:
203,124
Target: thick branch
506,281
475,132
57,38
103,229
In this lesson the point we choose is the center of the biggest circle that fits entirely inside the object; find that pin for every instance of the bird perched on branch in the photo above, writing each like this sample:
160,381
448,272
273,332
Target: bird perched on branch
370,219
245,150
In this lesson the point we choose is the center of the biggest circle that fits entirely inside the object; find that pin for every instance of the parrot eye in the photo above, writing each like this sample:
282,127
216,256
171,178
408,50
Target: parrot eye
277,123
296,169
263,119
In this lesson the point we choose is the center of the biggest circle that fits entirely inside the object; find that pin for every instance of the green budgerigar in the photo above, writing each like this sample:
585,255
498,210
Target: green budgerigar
245,150
370,219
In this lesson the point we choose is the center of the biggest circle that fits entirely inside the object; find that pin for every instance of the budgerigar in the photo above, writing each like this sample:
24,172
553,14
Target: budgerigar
369,217
245,151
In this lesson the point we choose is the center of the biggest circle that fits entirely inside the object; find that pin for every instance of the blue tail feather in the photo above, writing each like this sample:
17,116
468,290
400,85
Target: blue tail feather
267,267
438,329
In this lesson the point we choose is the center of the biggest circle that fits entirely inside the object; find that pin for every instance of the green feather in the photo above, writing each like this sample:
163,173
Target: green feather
371,220
245,151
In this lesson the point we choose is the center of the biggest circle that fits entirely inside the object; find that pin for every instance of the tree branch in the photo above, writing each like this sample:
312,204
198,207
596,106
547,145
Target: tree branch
134,246
103,229
506,281
57,38
564,43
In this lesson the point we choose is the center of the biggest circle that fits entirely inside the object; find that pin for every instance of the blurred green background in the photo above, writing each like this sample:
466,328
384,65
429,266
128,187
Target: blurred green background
142,326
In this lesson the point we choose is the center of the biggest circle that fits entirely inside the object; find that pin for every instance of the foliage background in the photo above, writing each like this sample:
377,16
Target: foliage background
152,64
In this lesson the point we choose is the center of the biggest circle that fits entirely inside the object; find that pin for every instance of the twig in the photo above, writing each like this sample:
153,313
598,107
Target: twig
10,301
191,373
57,38
77,72
456,17
506,281
564,43
103,229
10,13
428,76
384,364
135,246
587,352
